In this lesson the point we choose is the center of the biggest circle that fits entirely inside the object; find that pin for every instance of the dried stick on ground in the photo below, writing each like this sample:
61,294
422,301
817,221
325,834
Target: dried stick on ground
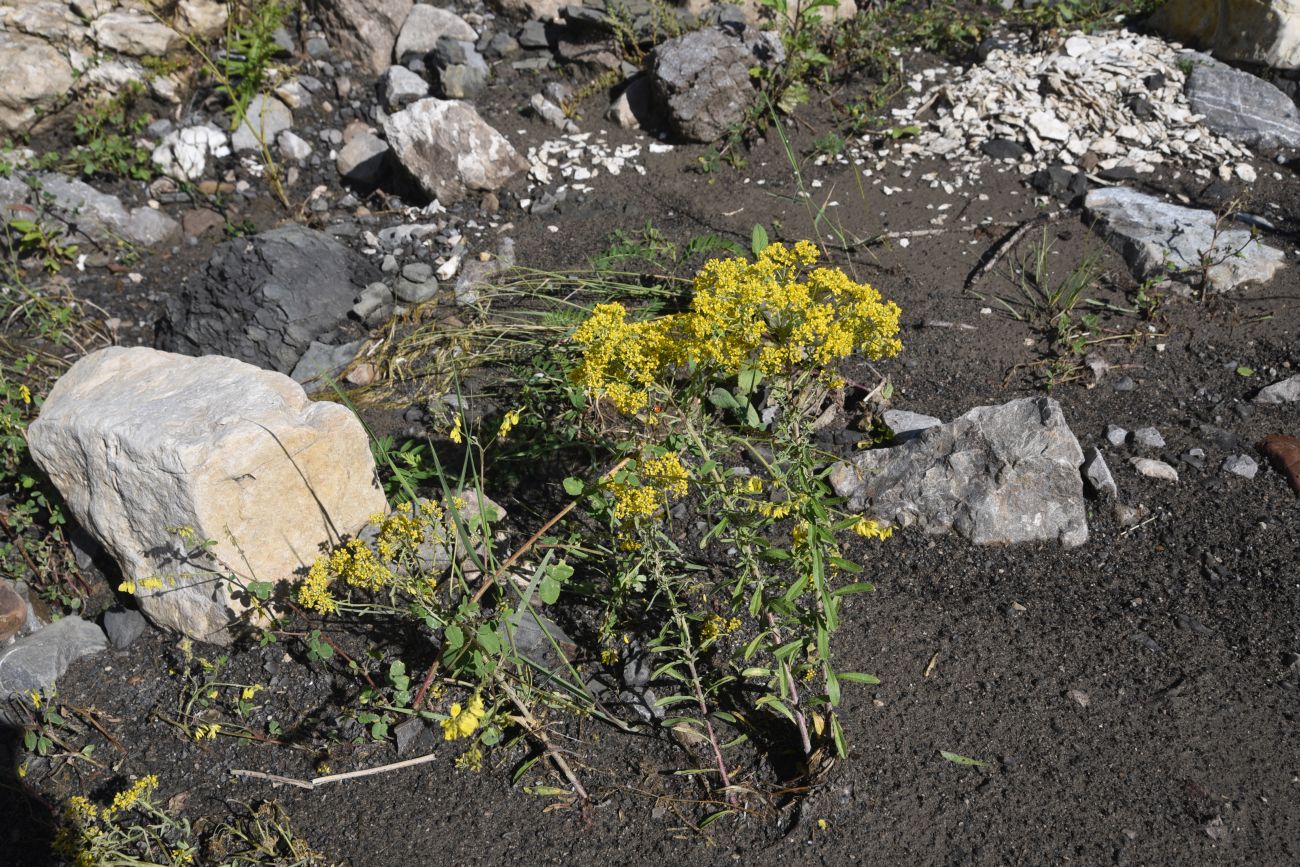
995,254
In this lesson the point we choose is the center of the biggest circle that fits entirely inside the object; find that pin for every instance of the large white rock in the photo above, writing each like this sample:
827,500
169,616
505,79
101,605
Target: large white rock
135,34
450,150
1265,32
141,442
183,153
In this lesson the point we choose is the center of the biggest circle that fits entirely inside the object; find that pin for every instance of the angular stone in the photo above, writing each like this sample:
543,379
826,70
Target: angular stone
48,19
292,146
102,217
535,10
1241,465
1285,391
1149,437
141,442
996,475
123,626
1097,474
461,71
1256,32
364,159
322,361
1154,469
13,611
908,425
264,299
136,34
1241,106
265,118
449,150
399,87
424,26
365,30
32,74
205,19
703,78
1155,236
38,660
636,106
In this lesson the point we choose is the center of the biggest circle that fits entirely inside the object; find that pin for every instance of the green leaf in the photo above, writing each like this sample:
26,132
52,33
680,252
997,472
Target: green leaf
713,817
487,638
1245,371
901,131
832,687
758,241
261,589
723,399
858,587
573,486
549,590
453,638
749,379
752,418
858,677
962,760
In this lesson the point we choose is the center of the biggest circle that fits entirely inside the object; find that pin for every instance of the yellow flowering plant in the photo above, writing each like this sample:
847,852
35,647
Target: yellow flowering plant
742,371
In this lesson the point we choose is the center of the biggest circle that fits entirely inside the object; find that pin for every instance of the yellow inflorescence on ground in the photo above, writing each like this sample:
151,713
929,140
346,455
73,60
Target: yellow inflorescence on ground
661,478
773,315
461,722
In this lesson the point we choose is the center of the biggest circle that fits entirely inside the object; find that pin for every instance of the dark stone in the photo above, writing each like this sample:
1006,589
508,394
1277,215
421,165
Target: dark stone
263,299
1241,106
124,626
1154,81
1003,149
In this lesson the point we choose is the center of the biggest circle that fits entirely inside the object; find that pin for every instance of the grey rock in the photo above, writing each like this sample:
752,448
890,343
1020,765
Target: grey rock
1154,469
1241,106
323,361
415,292
133,33
33,73
703,79
292,146
460,71
1003,149
124,626
636,106
38,660
533,35
424,26
1097,474
449,150
996,475
413,735
1157,238
908,425
365,30
1116,435
264,299
373,304
1241,465
551,113
417,272
1149,437
102,217
1285,391
364,159
265,119
399,87
541,640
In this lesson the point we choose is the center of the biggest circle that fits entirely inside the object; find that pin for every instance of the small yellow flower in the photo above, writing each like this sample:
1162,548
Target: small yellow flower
462,722
872,529
127,587
250,691
508,423
35,696
25,393
456,435
609,657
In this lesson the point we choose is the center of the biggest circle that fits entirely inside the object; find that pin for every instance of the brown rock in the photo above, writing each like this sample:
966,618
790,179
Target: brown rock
201,220
1283,453
13,612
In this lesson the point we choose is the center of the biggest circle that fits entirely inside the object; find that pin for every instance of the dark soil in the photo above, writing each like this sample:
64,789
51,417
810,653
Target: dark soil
1134,700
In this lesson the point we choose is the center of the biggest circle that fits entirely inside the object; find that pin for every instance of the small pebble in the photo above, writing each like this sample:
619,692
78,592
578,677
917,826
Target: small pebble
1241,465
1149,437
1153,469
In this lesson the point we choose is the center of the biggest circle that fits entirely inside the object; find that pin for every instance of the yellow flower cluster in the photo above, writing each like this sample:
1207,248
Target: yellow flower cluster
872,529
124,801
353,562
622,360
660,478
461,722
405,528
773,315
715,626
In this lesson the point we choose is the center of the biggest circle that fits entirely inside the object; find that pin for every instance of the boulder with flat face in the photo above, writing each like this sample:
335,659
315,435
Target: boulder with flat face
1258,32
365,30
202,475
997,475
449,150
33,74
